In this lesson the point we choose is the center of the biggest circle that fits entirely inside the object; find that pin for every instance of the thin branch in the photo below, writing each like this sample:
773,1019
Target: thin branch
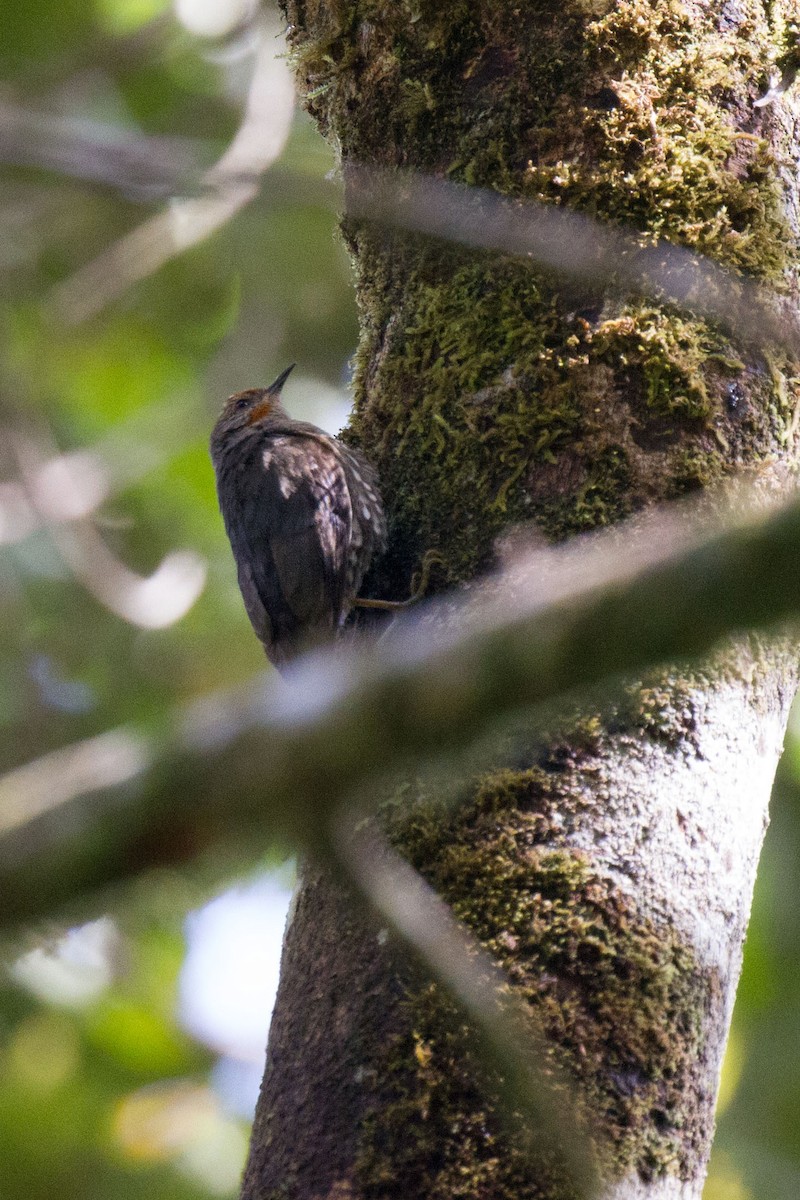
227,187
144,167
49,782
597,254
60,494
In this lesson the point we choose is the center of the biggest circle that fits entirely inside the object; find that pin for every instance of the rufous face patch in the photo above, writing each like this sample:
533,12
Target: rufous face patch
262,408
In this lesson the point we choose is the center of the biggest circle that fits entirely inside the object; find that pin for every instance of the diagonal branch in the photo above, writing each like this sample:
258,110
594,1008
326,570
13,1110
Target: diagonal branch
277,758
597,255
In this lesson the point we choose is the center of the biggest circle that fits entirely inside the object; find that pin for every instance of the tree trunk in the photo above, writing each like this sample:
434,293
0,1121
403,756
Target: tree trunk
608,866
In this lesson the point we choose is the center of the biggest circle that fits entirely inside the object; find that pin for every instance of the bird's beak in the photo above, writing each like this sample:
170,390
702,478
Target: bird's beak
275,388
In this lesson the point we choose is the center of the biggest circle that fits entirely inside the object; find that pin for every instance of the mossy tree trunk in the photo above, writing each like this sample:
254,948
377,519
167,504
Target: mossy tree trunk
608,866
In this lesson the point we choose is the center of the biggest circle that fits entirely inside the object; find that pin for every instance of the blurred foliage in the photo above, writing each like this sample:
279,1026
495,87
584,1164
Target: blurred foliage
140,384
102,1093
757,1148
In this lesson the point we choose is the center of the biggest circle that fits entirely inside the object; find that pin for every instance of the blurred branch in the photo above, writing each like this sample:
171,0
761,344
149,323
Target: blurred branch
70,485
153,601
44,785
60,493
597,255
228,186
274,760
144,167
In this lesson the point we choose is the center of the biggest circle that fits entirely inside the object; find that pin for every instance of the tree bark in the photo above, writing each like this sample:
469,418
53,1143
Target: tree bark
607,865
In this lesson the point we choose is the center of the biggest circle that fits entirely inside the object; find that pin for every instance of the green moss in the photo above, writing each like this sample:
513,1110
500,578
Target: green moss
663,709
630,110
483,405
788,61
621,998
414,1145
662,150
622,1002
475,88
672,354
475,391
693,470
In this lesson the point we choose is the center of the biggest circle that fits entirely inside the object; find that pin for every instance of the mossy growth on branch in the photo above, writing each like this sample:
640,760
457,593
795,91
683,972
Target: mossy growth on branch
664,148
632,110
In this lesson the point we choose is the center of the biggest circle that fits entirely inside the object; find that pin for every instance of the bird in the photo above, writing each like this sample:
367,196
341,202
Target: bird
304,516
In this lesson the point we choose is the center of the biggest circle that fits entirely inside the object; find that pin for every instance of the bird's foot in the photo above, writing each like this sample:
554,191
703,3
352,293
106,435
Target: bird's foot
419,586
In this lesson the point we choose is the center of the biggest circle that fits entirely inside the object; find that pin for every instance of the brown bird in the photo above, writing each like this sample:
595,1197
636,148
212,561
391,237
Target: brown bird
304,517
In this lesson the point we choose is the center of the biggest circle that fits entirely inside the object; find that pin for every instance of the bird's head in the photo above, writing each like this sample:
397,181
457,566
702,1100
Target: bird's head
250,407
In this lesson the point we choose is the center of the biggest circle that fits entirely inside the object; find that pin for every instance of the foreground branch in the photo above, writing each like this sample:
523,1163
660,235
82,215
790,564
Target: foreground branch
280,758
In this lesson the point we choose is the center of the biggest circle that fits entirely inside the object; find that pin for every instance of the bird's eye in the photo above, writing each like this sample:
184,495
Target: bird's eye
243,402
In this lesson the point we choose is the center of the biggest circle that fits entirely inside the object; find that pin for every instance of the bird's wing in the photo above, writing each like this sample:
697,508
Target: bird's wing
297,520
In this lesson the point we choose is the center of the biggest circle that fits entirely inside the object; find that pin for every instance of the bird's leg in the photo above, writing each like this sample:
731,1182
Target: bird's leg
419,586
